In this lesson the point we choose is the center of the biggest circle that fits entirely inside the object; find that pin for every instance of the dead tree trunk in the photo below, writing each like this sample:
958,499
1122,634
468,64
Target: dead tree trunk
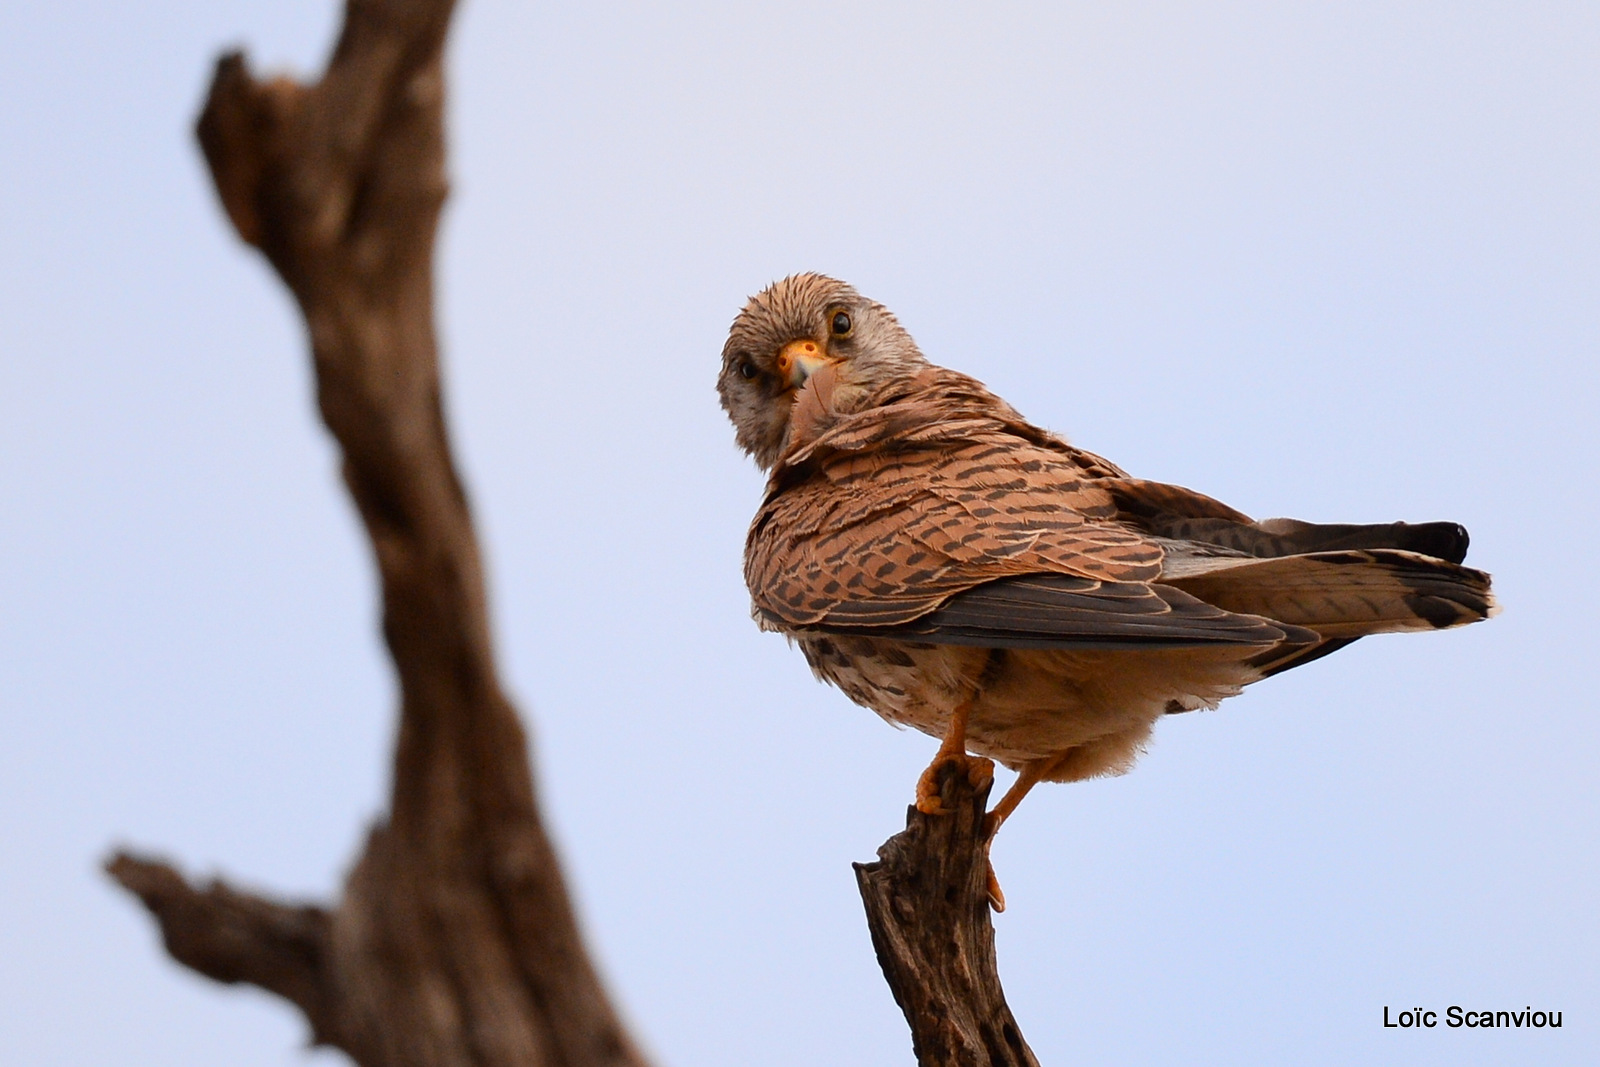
455,942
927,900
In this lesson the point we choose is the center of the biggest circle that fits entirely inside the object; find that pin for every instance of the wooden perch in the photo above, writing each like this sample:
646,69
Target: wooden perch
927,900
455,942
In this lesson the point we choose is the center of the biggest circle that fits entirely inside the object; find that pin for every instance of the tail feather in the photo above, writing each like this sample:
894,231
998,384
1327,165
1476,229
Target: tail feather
1345,594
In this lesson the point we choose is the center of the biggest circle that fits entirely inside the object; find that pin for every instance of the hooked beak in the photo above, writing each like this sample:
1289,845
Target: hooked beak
799,360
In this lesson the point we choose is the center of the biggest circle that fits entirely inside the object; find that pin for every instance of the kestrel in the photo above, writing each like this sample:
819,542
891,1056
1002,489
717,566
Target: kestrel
956,568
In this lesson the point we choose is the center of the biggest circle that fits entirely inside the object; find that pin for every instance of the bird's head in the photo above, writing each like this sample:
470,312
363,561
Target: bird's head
788,332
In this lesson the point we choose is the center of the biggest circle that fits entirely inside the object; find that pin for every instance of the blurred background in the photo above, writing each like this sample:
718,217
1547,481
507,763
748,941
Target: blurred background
1337,261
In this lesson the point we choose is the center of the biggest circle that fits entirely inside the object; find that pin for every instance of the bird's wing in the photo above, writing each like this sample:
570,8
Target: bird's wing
1065,611
895,529
1173,513
941,516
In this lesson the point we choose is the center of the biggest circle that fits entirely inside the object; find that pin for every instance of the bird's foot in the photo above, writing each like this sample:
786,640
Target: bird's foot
979,772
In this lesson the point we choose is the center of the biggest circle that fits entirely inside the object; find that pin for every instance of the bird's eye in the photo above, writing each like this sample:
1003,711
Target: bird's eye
841,323
747,370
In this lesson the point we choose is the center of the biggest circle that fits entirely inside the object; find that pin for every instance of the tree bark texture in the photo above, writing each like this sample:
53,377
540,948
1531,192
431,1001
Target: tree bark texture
455,942
927,900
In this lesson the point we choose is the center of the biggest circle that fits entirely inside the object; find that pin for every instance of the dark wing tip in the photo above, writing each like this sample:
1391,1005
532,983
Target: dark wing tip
1441,540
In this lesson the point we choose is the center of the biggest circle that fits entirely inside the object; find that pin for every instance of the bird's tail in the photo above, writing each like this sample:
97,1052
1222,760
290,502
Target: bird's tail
1348,593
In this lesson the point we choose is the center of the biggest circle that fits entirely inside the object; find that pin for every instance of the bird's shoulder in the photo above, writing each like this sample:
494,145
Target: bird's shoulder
936,413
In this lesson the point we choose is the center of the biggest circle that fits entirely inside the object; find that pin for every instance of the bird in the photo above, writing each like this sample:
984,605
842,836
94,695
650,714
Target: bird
960,570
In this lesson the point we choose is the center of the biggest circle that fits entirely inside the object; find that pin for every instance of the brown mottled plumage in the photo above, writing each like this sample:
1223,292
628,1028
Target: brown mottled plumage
955,568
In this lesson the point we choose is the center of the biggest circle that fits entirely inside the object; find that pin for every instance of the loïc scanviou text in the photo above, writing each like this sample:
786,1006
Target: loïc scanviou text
1456,1016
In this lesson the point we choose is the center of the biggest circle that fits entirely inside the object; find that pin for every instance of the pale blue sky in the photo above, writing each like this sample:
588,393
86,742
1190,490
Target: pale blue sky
1335,261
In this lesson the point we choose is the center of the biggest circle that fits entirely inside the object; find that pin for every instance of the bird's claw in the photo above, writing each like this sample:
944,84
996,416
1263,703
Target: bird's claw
978,769
997,896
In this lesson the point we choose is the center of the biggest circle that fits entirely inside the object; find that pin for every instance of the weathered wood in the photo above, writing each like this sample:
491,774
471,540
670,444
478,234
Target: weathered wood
927,900
455,942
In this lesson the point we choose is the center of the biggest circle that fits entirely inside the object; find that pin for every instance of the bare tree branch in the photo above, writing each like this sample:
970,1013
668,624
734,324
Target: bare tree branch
927,901
455,942
235,937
